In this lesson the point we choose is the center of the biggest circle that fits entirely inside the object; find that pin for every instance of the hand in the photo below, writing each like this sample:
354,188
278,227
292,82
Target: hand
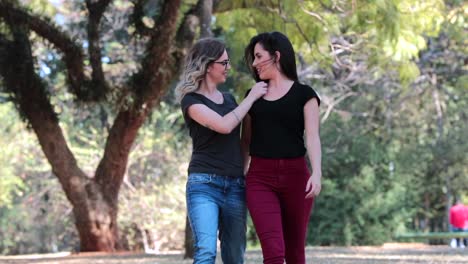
258,90
314,185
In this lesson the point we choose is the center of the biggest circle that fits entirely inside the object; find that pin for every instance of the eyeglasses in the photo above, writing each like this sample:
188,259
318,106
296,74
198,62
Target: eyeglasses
225,63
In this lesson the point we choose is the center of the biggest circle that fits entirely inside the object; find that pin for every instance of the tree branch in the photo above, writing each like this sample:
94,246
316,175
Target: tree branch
150,84
205,9
334,8
156,68
332,104
304,36
73,54
313,14
186,34
96,9
31,98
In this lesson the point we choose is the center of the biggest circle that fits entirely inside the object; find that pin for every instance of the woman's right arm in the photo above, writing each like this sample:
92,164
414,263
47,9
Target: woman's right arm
225,124
245,141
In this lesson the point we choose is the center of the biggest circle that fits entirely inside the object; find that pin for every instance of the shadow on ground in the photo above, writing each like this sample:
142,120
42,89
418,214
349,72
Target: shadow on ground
389,253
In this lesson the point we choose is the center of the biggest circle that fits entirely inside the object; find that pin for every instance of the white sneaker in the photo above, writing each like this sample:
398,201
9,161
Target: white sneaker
462,246
453,243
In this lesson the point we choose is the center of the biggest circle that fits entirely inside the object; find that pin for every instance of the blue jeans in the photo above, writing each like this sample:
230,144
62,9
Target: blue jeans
217,202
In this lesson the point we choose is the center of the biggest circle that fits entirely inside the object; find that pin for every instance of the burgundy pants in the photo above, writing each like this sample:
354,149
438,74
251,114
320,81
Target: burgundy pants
278,207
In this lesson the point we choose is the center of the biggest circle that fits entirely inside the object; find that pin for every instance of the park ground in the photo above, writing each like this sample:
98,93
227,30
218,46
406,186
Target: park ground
388,253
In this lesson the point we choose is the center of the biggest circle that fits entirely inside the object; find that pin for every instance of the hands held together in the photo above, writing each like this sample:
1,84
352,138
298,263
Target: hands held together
258,90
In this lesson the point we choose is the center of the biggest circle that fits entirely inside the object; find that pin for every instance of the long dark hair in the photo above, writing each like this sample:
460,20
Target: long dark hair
272,42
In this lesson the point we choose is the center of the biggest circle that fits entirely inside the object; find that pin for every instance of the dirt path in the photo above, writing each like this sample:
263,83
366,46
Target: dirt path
391,253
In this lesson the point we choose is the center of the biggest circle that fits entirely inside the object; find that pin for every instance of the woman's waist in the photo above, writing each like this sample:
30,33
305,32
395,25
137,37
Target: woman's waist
278,162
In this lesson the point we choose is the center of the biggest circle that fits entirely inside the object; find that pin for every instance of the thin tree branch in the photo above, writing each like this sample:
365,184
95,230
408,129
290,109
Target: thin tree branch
332,9
304,36
313,14
96,10
334,103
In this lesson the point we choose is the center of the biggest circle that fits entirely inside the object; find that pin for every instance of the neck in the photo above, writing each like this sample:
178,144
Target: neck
207,88
279,81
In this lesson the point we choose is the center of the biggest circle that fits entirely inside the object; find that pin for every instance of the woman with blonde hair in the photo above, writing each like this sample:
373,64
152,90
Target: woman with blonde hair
215,191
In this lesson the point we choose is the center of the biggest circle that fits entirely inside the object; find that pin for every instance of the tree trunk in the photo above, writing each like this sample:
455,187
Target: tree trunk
427,209
94,200
96,222
94,207
205,9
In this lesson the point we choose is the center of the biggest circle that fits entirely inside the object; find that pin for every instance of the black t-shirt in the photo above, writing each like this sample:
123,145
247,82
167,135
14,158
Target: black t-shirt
278,126
213,152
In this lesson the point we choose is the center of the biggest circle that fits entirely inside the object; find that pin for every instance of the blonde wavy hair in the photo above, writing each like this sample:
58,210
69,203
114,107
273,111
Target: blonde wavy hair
201,55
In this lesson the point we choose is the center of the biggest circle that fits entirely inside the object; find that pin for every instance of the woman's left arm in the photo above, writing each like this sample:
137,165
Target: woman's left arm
311,124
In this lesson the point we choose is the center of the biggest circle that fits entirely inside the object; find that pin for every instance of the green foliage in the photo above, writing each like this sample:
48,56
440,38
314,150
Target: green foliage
11,184
32,203
387,30
408,73
397,158
362,197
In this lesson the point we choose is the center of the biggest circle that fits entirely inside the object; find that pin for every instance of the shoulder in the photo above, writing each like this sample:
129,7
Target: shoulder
307,92
190,98
305,88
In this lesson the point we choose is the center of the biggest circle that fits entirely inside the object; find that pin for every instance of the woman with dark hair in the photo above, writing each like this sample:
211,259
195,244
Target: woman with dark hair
215,192
279,186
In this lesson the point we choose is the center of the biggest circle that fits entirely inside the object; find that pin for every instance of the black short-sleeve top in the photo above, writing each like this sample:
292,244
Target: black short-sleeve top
278,125
212,152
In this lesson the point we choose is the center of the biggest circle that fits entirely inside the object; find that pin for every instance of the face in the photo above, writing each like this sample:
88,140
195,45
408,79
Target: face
218,70
263,62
